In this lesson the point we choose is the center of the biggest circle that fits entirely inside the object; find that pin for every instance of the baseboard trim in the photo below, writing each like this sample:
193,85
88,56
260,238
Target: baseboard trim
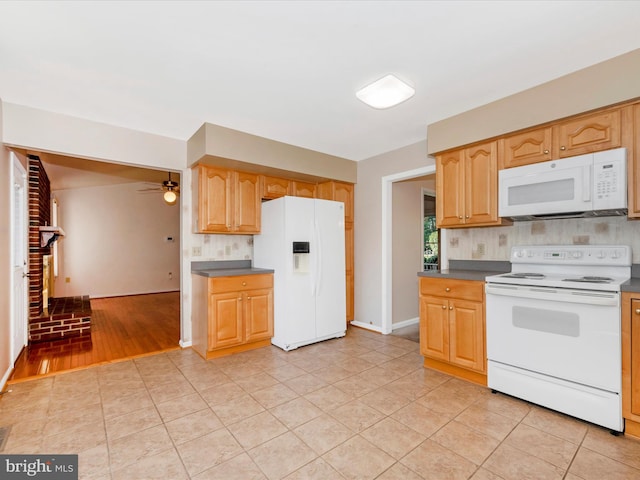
405,323
5,379
367,326
186,344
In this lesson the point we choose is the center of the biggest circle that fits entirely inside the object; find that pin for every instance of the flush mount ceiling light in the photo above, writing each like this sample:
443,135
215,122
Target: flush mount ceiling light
386,92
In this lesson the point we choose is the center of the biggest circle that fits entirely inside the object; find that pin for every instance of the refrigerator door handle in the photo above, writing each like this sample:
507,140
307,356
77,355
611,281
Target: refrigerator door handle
318,273
314,262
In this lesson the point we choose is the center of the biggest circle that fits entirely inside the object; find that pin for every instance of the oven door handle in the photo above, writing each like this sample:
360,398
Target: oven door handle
554,294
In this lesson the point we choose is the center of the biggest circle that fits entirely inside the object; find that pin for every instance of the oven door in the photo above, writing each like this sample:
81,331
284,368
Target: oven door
568,334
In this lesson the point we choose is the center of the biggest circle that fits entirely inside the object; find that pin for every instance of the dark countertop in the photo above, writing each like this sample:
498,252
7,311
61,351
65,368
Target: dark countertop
460,274
479,269
469,270
633,285
226,268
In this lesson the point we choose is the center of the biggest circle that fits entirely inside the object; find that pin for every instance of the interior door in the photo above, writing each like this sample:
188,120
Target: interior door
19,236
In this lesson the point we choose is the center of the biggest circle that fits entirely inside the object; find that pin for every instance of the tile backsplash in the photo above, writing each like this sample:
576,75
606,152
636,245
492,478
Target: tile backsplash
494,243
223,247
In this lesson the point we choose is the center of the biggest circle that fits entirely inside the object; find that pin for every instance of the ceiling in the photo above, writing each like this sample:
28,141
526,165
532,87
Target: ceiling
288,70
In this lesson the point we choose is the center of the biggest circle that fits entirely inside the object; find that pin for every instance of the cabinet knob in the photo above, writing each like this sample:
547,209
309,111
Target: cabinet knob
248,298
444,307
239,299
450,308
244,284
460,217
466,216
637,311
563,148
546,152
447,289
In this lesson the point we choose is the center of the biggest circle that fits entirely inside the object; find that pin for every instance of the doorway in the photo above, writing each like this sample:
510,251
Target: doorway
387,243
19,235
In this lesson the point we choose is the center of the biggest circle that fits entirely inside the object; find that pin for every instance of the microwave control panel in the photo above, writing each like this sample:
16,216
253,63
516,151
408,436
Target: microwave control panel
609,180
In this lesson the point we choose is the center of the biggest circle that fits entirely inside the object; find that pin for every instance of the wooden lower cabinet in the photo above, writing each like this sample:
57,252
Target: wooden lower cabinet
452,327
631,362
232,314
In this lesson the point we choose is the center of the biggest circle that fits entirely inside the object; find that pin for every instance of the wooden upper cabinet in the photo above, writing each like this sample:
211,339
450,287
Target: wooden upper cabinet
633,155
340,192
593,132
303,189
589,133
275,187
524,148
228,201
214,199
449,189
481,184
247,208
467,187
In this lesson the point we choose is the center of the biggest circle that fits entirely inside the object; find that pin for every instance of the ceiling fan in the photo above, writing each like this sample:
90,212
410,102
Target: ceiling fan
171,190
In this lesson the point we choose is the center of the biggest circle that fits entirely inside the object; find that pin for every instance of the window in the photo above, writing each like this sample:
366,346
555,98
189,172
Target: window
431,234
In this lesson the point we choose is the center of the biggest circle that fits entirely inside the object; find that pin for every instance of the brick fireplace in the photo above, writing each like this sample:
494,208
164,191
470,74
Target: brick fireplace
61,317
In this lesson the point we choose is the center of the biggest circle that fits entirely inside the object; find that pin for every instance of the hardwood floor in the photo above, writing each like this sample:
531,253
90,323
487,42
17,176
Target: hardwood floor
121,327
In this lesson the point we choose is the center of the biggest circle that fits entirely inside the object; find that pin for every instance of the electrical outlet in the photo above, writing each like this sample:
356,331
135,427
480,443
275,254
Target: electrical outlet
170,275
481,249
196,251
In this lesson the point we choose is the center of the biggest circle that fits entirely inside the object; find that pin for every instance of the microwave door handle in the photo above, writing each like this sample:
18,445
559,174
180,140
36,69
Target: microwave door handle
586,183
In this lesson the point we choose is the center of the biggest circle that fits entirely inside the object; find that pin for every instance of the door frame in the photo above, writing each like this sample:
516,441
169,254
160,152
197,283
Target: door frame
387,243
14,308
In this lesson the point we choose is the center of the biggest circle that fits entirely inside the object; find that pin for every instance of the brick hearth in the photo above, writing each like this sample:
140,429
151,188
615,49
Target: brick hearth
66,317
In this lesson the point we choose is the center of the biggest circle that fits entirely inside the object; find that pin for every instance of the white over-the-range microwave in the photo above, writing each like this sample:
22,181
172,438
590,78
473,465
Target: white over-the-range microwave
594,184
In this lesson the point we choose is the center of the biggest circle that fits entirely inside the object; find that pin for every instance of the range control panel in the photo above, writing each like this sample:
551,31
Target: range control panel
619,255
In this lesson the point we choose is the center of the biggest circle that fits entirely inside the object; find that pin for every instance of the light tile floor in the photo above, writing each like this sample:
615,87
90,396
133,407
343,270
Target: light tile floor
360,407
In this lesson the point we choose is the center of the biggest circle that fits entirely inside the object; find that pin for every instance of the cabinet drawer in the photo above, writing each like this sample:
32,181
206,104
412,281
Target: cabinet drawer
241,282
451,288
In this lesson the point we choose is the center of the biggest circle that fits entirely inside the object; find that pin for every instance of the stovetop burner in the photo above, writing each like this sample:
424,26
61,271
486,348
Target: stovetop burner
578,267
524,275
589,279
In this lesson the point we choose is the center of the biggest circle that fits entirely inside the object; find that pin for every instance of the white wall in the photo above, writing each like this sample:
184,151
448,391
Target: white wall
368,226
115,242
5,256
408,242
39,130
76,137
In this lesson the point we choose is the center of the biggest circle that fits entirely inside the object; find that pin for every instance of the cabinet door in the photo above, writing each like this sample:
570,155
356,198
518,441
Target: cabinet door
466,335
349,261
343,192
434,328
525,148
633,156
225,320
634,358
258,314
592,133
449,189
303,189
215,199
275,187
481,184
247,203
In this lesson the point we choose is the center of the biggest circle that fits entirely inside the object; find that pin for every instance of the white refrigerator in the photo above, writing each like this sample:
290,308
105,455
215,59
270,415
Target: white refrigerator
302,240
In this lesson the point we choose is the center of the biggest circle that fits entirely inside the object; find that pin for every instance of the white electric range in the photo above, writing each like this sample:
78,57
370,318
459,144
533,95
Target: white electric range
553,329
